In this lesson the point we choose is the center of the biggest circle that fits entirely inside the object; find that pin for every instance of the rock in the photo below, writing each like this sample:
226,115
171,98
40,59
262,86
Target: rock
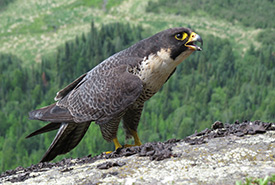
109,164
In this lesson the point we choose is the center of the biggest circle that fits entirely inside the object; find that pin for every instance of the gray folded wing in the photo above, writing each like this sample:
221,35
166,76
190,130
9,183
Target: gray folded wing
102,95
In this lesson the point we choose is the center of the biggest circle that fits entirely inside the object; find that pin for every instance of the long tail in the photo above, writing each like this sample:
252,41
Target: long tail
47,128
68,135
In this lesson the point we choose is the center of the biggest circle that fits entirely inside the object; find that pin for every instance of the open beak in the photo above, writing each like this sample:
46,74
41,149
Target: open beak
192,40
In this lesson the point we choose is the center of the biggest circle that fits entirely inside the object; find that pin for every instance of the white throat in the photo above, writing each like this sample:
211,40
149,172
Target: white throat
156,68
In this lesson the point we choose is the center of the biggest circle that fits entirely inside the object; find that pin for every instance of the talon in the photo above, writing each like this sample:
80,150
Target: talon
108,152
136,138
117,144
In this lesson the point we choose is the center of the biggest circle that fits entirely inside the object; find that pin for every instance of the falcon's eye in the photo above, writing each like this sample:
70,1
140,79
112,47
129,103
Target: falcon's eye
181,36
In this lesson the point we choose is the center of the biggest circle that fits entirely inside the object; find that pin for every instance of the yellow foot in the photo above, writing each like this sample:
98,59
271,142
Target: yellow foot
136,138
108,152
117,145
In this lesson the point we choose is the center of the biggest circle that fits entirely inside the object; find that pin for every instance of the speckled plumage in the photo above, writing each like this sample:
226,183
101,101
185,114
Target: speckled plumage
115,89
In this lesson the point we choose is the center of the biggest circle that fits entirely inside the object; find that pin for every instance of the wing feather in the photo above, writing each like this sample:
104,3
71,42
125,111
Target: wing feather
103,95
52,113
63,92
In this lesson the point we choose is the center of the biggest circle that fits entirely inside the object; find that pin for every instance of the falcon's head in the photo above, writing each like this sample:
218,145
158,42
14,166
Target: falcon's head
177,41
174,43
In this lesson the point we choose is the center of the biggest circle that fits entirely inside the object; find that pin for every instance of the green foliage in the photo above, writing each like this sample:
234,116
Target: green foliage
105,4
258,181
267,36
4,3
231,10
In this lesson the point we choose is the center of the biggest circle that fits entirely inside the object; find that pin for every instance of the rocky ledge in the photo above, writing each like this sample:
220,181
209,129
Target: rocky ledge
224,154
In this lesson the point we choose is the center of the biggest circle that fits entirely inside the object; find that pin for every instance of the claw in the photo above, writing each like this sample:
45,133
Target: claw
136,138
118,145
108,152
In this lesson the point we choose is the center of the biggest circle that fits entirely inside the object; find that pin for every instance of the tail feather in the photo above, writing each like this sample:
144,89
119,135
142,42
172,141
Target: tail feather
67,137
47,128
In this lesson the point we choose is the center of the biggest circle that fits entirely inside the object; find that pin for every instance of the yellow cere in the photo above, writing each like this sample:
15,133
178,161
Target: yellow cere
181,36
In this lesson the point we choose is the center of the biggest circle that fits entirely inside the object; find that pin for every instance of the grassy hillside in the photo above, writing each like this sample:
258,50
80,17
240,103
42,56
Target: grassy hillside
30,29
235,11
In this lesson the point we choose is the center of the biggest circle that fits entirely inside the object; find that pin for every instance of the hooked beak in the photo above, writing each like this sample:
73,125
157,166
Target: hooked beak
191,42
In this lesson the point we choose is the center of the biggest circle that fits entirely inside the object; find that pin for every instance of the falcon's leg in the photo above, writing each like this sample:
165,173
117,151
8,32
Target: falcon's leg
130,123
109,132
117,144
136,139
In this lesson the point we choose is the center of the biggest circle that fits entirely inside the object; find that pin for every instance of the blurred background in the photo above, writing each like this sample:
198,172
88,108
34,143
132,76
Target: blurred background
46,44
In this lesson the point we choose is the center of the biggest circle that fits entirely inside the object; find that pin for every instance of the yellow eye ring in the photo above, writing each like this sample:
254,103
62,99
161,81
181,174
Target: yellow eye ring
181,36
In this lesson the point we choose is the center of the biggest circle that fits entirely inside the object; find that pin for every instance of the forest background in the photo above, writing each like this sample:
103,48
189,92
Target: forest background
46,44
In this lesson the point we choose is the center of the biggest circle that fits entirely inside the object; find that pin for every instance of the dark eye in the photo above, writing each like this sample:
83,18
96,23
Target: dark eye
181,36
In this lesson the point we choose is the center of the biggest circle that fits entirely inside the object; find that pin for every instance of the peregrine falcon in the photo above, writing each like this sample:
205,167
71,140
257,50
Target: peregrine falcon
113,90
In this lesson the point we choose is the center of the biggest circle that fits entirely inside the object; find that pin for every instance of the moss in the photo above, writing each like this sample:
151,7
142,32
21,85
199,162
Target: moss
257,181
